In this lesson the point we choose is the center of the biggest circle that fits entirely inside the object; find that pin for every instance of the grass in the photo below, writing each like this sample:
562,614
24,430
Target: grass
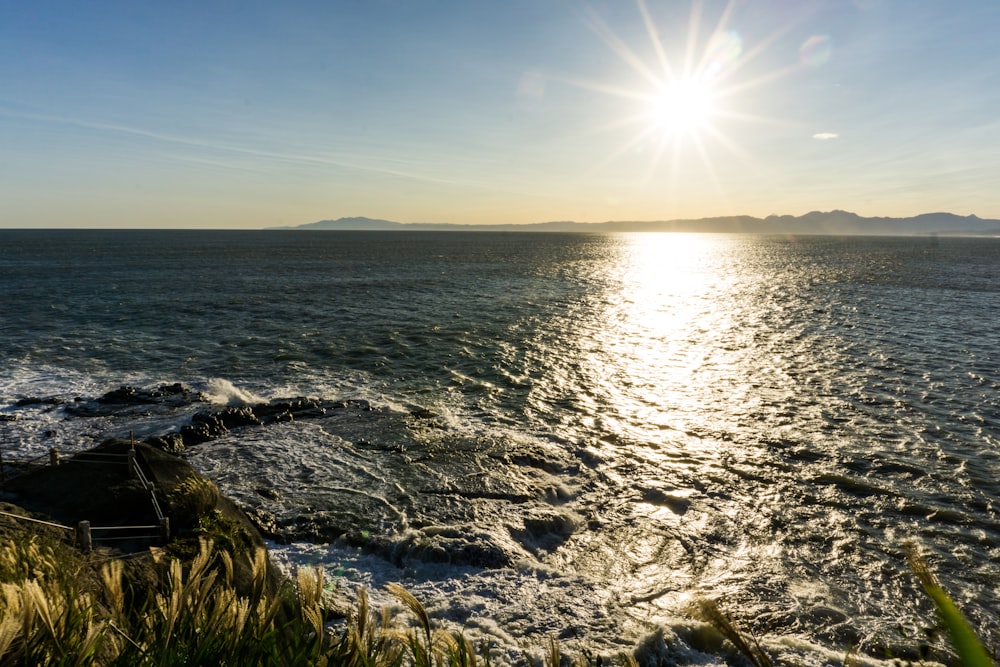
968,646
710,612
52,614
60,607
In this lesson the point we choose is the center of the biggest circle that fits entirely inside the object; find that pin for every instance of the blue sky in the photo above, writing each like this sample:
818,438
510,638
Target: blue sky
253,114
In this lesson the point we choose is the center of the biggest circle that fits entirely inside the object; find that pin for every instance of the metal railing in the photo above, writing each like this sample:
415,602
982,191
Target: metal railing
85,533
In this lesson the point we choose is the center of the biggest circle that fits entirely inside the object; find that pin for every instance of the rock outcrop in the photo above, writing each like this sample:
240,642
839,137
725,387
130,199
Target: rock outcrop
99,486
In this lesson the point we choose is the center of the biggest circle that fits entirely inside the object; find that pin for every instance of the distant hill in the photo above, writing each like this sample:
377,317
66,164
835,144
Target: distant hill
815,222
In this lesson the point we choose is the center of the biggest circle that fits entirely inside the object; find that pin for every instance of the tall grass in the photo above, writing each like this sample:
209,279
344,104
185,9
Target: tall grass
56,609
51,615
747,644
47,617
970,650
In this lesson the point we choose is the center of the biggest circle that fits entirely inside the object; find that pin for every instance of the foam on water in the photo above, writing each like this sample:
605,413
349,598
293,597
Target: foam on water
223,392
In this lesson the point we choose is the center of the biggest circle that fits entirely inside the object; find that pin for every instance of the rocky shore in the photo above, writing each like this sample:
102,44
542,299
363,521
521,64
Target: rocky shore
142,498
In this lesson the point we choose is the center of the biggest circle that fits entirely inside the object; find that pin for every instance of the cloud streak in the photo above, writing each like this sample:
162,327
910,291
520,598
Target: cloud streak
363,163
826,136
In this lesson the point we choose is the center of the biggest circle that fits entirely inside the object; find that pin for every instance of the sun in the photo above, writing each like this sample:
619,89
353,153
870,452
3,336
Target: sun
682,107
684,97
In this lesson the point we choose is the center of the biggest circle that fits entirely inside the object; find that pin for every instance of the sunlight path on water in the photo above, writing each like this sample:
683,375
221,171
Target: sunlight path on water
718,389
656,368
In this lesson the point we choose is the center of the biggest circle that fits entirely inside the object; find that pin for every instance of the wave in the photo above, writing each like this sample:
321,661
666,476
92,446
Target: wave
219,391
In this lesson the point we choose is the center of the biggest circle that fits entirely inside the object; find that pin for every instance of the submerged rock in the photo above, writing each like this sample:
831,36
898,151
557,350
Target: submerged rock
206,426
126,397
34,400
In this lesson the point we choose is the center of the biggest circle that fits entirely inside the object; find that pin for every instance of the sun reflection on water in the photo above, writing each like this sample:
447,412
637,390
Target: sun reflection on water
652,355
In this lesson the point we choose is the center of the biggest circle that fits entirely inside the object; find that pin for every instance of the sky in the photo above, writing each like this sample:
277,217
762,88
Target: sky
247,114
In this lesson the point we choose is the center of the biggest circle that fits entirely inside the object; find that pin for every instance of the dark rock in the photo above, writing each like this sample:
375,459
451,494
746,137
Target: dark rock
172,443
284,417
127,395
130,398
204,431
131,395
265,522
237,417
32,400
314,527
173,389
206,426
268,492
106,493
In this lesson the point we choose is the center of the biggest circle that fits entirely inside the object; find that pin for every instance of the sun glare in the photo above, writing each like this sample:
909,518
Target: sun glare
682,107
687,93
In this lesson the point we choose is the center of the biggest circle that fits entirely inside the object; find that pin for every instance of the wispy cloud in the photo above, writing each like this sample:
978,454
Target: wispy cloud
366,162
825,136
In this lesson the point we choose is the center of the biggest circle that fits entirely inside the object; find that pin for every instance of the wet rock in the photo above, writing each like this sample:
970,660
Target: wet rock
677,503
203,428
33,400
265,523
172,443
129,395
206,426
455,546
268,492
545,531
126,397
290,409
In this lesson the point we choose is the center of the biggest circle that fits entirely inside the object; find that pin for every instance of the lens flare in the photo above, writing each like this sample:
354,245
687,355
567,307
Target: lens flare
816,51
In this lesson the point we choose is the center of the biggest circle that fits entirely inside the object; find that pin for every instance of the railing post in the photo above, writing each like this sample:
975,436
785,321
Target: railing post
54,456
83,537
165,528
131,461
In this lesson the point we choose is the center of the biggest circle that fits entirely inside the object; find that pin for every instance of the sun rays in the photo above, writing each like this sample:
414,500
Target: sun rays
691,80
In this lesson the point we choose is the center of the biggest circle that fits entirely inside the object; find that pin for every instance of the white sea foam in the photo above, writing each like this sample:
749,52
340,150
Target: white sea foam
224,392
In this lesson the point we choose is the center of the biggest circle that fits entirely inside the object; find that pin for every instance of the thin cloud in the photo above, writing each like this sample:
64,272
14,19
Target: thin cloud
388,166
825,136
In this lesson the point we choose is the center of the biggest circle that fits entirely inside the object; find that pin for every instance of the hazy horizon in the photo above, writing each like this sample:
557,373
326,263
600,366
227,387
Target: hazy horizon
837,222
217,116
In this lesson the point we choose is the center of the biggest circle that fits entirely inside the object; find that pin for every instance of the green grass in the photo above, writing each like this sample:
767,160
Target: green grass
970,650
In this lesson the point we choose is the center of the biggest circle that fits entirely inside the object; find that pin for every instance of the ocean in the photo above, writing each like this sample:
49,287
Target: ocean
558,435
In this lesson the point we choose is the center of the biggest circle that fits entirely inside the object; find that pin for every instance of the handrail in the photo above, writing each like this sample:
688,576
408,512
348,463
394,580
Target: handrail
134,463
84,529
109,455
28,518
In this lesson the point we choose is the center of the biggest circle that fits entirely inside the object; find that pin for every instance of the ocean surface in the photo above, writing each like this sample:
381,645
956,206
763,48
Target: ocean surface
575,436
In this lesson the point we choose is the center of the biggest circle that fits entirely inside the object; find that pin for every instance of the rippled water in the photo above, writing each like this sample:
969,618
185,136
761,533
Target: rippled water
573,435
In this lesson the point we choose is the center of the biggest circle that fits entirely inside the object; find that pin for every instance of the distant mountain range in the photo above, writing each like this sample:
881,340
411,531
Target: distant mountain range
817,222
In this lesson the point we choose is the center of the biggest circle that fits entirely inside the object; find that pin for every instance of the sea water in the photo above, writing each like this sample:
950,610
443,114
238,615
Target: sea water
560,435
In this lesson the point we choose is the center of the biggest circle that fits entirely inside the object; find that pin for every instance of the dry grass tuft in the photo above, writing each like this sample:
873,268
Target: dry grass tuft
746,644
